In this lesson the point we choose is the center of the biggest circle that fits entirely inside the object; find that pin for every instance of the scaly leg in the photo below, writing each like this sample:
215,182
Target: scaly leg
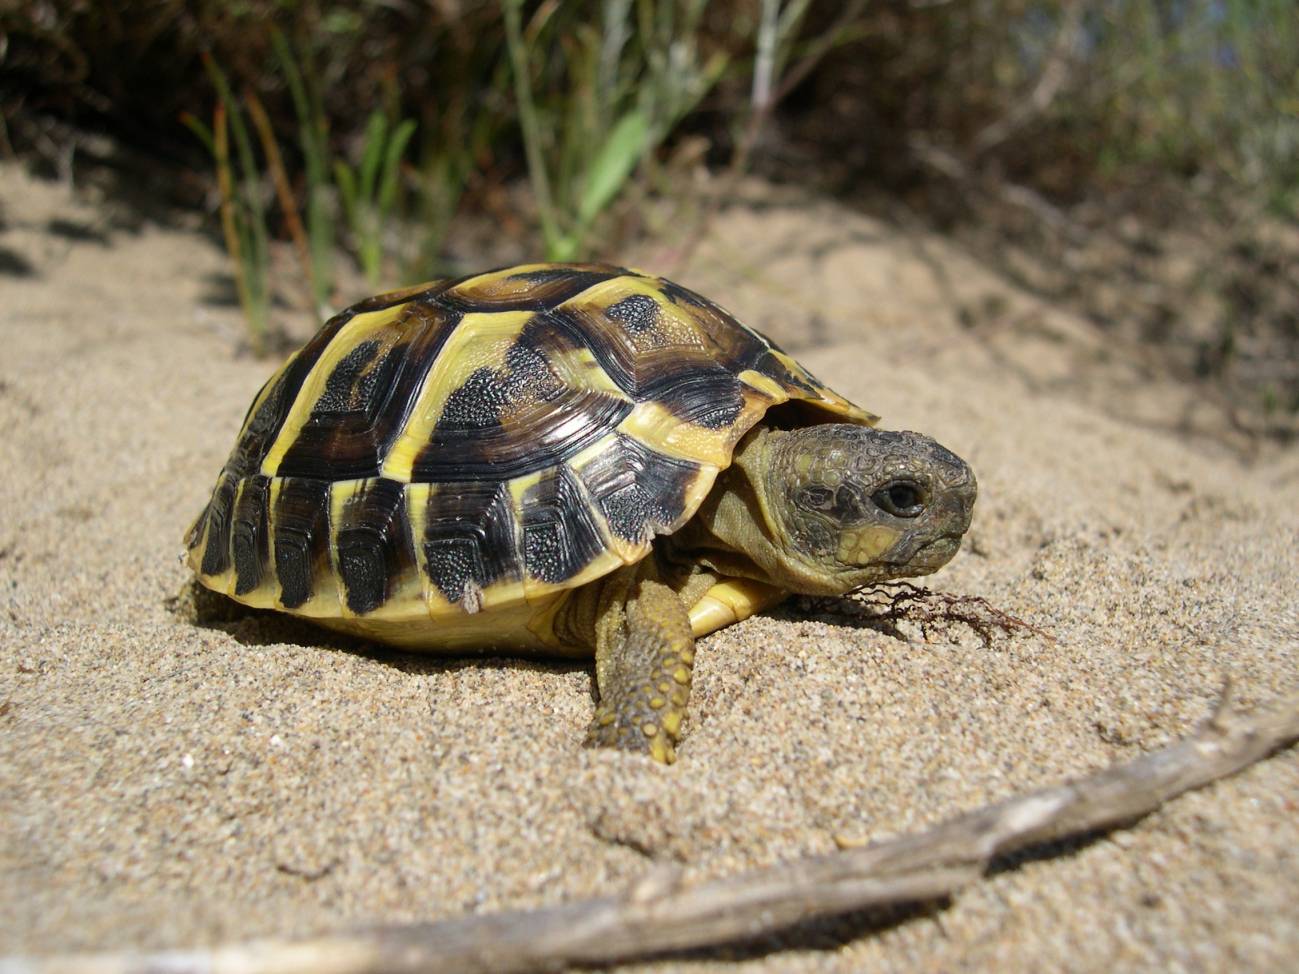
643,656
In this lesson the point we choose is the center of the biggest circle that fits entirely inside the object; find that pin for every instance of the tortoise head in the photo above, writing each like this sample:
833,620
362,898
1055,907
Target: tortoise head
854,505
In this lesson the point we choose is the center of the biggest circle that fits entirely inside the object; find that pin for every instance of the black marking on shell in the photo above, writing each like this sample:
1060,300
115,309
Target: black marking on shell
738,346
677,294
527,379
523,417
734,345
697,385
640,491
350,384
250,542
374,546
391,299
690,368
715,320
707,396
367,398
469,538
262,427
220,511
543,288
637,313
611,350
773,368
301,531
560,537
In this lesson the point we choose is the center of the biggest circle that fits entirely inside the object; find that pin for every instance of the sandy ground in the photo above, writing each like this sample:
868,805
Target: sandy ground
167,785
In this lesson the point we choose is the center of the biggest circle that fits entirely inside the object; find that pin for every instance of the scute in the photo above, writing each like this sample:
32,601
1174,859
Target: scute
468,540
534,397
560,534
354,404
639,491
530,287
488,442
301,538
249,536
373,547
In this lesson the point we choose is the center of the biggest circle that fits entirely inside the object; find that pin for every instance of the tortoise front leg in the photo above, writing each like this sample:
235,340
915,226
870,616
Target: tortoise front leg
643,656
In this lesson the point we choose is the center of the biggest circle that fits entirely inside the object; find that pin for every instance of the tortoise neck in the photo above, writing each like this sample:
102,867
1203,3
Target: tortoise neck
736,534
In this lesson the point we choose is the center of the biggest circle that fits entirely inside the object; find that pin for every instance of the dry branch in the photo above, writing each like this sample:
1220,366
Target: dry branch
900,601
1020,197
657,915
1053,77
283,191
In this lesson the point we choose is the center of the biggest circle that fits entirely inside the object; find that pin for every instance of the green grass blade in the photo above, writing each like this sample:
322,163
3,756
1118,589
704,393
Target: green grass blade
201,130
615,31
376,136
346,180
392,165
528,122
314,143
292,78
231,218
246,216
613,164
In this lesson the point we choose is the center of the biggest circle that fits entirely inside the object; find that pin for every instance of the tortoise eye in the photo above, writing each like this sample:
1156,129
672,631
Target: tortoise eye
900,498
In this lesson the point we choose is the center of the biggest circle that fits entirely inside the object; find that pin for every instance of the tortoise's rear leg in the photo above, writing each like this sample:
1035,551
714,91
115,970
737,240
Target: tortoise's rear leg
643,657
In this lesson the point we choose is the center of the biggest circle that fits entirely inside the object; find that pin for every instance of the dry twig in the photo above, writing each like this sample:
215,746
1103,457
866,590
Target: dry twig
1053,77
658,916
1020,197
895,602
283,191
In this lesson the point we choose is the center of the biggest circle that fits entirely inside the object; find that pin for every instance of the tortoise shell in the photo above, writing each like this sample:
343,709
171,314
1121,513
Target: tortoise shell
486,442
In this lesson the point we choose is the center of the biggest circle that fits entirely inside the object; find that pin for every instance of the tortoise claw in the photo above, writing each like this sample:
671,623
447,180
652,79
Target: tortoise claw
624,732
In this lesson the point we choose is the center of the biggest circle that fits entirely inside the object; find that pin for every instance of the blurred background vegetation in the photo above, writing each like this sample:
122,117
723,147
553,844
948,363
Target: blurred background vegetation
1135,161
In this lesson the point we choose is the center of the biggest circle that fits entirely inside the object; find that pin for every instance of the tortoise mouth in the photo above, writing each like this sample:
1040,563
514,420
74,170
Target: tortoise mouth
930,557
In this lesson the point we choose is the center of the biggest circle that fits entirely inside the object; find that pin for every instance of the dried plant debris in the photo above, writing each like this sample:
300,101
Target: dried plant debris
892,605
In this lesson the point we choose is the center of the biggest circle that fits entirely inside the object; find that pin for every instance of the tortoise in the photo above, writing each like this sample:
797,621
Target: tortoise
564,459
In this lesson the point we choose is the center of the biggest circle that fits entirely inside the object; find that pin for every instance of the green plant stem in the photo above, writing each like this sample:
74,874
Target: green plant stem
243,216
313,140
254,312
280,180
531,129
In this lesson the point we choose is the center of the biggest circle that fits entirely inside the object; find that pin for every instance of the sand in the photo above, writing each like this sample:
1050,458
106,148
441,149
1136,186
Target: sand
166,785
